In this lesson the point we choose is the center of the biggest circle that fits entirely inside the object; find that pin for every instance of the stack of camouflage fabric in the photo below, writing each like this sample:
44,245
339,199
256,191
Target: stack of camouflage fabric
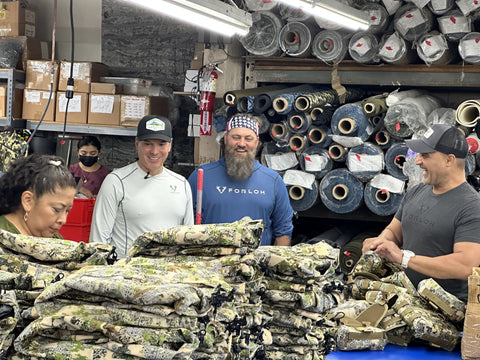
13,144
27,265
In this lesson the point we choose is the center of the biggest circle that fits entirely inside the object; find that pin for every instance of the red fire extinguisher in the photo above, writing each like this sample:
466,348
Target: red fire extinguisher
207,101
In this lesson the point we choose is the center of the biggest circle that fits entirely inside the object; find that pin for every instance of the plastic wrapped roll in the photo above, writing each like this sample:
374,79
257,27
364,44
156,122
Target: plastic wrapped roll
454,25
396,50
378,17
265,100
392,6
278,158
322,115
469,48
365,161
328,97
467,6
232,97
383,194
330,46
272,148
262,39
442,116
255,5
350,120
363,47
410,115
383,139
245,104
340,191
468,113
375,105
434,49
397,96
301,198
289,13
337,152
470,164
320,135
473,143
440,7
411,22
263,123
295,39
279,133
298,122
284,103
315,160
395,158
298,142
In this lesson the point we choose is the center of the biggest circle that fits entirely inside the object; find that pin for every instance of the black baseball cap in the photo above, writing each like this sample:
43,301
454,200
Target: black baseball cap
154,127
444,138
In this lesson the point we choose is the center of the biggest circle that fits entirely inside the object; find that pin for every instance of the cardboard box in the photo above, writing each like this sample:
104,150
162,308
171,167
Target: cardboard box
104,109
84,73
77,108
133,108
197,62
17,105
38,75
16,19
34,103
105,88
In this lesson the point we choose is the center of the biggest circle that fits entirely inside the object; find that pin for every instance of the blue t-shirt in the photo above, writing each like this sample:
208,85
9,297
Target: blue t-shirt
262,196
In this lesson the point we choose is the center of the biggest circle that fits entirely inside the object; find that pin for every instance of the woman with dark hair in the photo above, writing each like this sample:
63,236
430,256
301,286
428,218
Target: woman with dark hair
36,195
89,171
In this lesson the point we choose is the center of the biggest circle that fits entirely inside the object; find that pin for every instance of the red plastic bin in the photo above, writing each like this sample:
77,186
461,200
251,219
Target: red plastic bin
81,212
75,232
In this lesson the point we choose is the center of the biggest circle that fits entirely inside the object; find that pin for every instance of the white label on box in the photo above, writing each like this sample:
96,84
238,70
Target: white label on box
315,162
300,178
102,104
32,96
74,105
30,30
46,95
410,20
471,47
194,119
134,108
77,71
432,45
362,46
29,16
193,130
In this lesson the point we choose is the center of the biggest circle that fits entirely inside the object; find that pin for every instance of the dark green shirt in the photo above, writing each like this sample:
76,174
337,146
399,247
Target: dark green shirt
8,226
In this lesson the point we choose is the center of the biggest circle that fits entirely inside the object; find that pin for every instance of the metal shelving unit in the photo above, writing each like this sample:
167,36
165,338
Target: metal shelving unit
11,75
83,129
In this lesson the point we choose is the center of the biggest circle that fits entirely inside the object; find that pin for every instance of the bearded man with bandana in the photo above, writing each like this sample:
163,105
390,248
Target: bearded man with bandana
89,172
237,185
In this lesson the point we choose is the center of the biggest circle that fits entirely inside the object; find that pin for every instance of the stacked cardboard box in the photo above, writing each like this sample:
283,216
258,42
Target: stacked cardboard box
104,104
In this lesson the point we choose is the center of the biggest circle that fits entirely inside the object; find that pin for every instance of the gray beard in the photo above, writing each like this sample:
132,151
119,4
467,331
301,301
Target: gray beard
239,168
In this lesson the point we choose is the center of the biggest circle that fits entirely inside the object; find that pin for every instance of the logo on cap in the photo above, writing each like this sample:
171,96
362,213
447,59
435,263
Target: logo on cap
155,125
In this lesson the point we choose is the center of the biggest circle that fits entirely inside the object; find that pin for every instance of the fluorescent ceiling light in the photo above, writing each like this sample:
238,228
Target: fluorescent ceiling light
332,10
213,15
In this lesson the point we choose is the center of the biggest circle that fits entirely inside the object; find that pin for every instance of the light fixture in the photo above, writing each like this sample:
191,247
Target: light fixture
332,10
213,15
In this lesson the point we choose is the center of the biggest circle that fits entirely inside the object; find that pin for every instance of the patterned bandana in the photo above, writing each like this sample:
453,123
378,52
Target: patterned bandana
244,121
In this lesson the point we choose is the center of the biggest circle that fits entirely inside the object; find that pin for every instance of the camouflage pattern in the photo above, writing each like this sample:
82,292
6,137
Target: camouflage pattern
350,308
13,145
376,265
452,307
238,237
360,338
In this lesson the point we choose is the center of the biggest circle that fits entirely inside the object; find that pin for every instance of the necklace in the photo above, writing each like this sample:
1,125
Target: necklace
84,176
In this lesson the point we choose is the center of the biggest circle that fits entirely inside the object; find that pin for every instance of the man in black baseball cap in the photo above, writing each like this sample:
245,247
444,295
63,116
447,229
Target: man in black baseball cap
154,127
435,232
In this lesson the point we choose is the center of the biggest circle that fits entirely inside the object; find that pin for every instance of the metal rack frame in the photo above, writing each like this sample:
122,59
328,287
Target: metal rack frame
11,75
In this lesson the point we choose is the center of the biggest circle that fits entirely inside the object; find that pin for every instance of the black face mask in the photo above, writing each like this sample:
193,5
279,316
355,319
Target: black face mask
88,160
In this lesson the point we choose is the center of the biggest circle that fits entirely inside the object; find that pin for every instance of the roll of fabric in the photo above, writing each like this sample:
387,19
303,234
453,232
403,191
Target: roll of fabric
442,115
328,97
340,191
383,194
350,120
411,22
264,101
231,97
397,96
295,39
454,25
469,48
468,113
396,50
383,139
330,46
410,115
378,17
365,161
298,142
290,13
302,198
322,115
395,157
320,135
363,47
263,123
434,49
470,164
315,160
272,148
298,122
279,133
440,7
262,39
278,158
284,103
351,252
374,105
337,152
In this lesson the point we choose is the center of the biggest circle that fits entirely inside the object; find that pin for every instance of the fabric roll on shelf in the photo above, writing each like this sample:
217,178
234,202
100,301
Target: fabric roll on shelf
442,115
322,115
320,135
440,7
374,105
350,120
277,157
232,97
298,142
454,25
365,161
473,143
340,191
262,39
245,104
378,17
315,160
383,194
330,46
337,152
469,48
295,39
395,158
377,120
397,96
298,122
263,123
396,50
302,189
280,133
363,47
412,22
470,164
434,49
383,139
284,103
351,252
326,98
467,7
289,13
273,116
468,113
264,101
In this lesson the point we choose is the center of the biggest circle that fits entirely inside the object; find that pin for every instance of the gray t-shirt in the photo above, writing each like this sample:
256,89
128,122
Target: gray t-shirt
432,224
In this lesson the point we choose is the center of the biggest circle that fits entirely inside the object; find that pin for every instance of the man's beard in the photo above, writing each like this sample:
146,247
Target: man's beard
239,167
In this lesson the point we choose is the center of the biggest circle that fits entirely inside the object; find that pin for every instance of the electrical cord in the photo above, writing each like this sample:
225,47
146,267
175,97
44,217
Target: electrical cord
70,81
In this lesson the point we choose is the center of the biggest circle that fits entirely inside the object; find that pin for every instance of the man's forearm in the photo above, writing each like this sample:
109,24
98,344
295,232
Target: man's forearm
282,240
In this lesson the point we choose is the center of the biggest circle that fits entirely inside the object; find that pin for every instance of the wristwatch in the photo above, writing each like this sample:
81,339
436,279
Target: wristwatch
407,255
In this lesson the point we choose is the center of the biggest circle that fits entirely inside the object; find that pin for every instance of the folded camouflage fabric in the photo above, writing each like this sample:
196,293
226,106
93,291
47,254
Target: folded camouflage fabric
360,338
223,239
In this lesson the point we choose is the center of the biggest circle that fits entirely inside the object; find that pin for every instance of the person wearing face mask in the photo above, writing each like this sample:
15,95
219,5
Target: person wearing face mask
89,171
237,185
